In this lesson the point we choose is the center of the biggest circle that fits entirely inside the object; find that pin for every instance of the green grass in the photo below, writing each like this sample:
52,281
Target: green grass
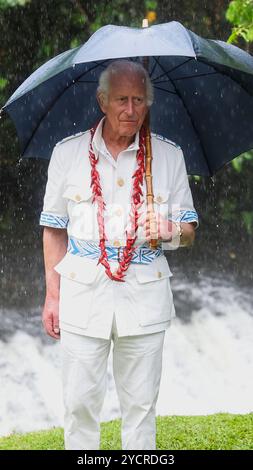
219,431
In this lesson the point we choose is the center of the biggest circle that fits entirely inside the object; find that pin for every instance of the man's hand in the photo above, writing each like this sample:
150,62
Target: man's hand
50,317
167,230
164,227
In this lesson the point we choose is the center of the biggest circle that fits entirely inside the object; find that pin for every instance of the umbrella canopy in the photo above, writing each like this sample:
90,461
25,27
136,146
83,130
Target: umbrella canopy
203,93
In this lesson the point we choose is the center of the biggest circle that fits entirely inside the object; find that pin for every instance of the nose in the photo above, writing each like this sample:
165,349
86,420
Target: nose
130,107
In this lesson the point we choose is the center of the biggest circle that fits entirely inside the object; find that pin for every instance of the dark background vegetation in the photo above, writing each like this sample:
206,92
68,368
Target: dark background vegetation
32,32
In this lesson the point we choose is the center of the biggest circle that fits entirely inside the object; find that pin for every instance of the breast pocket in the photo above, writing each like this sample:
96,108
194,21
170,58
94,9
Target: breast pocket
153,292
82,212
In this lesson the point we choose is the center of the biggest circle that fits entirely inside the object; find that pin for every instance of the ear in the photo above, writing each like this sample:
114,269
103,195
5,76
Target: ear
101,102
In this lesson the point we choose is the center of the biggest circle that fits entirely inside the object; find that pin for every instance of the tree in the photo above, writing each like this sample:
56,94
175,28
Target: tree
240,14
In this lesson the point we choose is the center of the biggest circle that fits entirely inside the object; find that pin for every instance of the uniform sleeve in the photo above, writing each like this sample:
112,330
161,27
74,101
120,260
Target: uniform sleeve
54,213
182,208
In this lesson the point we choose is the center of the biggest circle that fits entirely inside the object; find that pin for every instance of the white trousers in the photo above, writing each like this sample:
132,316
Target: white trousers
137,366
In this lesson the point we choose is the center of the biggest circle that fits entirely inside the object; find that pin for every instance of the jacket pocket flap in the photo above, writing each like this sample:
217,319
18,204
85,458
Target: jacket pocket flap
78,268
77,193
155,271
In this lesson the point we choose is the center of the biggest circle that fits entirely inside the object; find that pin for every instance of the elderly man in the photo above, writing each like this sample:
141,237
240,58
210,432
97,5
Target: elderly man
103,282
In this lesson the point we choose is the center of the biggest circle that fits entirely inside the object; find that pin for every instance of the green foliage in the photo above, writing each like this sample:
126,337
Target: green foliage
151,4
237,163
220,431
12,3
3,83
196,177
247,217
75,43
120,12
229,213
240,14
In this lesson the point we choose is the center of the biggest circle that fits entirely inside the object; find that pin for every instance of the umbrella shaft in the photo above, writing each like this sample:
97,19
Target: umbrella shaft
149,184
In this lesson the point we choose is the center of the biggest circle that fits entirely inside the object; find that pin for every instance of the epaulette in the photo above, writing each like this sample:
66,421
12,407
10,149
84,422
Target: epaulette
161,137
73,136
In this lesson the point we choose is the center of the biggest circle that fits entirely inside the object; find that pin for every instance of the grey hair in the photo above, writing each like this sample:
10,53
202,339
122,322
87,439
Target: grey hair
121,66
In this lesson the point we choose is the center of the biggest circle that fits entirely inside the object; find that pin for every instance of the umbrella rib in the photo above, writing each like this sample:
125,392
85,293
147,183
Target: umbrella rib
85,81
196,76
52,104
170,71
162,81
166,91
154,66
190,117
101,65
227,75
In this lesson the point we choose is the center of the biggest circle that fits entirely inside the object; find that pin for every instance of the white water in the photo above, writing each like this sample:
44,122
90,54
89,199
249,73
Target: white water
207,364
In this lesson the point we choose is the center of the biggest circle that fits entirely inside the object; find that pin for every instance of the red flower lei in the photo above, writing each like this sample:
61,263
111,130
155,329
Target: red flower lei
135,205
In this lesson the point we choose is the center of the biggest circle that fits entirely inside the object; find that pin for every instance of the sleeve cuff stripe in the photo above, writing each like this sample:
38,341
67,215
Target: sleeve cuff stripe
51,220
187,216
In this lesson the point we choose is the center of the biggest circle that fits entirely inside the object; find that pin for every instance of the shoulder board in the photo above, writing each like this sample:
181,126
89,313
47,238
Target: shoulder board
70,137
161,137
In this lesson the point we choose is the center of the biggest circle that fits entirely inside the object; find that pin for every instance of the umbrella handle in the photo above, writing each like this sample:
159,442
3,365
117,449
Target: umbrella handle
149,186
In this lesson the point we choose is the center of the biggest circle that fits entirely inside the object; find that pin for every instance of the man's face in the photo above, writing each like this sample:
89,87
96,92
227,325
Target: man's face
126,106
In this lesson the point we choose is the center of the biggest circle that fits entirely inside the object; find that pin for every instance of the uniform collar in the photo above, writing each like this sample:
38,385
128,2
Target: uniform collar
99,142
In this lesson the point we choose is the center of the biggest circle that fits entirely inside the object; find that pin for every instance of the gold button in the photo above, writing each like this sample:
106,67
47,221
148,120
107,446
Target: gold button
78,197
72,275
120,182
116,243
159,199
159,274
118,212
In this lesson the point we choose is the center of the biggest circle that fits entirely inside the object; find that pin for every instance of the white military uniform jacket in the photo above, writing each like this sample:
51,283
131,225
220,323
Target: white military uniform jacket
88,297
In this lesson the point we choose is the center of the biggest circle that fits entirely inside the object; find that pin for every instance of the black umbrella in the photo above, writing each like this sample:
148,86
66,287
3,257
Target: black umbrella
203,93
